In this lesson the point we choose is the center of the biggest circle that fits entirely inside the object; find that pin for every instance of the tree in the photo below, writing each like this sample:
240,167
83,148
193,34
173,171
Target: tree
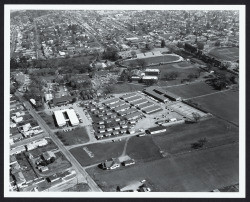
217,43
163,43
141,63
108,89
150,82
200,45
196,116
133,53
171,75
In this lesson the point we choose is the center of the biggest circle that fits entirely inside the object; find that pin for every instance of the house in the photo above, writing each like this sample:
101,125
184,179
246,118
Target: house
37,143
17,150
111,164
43,168
53,178
20,180
128,162
48,155
61,101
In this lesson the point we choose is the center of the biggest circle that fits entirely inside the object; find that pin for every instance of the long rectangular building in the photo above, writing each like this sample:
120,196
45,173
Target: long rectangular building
129,95
139,102
134,99
144,106
157,129
122,108
120,103
134,116
152,109
112,101
160,94
129,111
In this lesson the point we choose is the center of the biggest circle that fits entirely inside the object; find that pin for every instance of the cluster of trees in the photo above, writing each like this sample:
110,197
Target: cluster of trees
199,144
47,162
171,75
110,53
88,94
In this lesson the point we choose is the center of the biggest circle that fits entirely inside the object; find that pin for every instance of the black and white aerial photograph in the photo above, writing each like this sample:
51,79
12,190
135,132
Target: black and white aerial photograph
124,99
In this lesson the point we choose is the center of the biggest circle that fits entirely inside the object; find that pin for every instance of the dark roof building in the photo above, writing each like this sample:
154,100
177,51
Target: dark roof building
152,109
160,94
62,100
155,130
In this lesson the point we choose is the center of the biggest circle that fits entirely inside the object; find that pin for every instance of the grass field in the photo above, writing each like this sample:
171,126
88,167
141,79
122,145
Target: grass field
77,136
127,87
224,105
191,90
51,122
100,151
140,149
203,170
81,187
183,68
178,139
229,53
156,59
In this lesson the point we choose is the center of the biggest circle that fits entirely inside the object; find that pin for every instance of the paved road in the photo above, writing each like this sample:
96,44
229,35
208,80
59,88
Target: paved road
104,140
76,165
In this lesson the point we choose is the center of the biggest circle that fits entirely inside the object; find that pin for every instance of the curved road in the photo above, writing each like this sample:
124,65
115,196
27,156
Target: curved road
76,165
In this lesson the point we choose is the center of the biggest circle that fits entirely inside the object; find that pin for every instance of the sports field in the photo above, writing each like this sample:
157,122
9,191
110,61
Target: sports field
156,59
191,90
203,170
228,53
224,105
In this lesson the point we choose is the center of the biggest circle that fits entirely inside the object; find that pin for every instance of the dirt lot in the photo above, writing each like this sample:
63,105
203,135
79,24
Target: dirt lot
76,136
202,170
178,139
191,90
229,53
224,105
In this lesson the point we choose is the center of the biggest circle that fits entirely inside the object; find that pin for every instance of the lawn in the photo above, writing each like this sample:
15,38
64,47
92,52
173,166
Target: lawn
183,69
49,119
191,90
228,53
224,105
140,149
76,136
178,139
59,165
81,187
199,171
100,151
127,87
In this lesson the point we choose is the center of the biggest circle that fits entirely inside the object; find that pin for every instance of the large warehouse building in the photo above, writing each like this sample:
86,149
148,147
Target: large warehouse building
160,94
66,115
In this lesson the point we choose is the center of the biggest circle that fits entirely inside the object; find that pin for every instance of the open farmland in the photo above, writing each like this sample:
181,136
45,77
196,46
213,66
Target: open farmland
191,90
155,60
224,105
203,170
227,53
178,139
